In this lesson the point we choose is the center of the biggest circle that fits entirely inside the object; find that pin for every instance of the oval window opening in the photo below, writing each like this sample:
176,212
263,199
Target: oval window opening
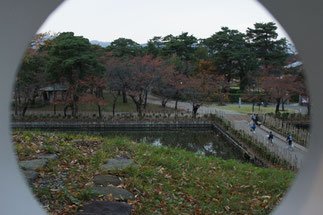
175,114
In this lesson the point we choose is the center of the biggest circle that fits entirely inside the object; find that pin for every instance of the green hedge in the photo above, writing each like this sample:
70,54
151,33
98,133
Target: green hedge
234,97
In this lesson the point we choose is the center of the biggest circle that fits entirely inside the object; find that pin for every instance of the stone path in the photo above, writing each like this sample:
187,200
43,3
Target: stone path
117,163
29,167
240,121
108,185
106,208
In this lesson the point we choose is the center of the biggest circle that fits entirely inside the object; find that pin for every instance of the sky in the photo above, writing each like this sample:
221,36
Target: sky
141,20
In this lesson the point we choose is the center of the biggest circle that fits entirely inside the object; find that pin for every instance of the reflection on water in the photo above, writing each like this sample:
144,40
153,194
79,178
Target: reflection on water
206,142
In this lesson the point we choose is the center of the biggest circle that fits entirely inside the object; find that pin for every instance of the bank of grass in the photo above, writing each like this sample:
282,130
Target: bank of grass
248,109
164,180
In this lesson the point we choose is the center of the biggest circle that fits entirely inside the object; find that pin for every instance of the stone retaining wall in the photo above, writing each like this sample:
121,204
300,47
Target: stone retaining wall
107,126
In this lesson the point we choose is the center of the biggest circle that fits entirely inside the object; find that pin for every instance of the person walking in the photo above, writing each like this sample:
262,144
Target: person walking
253,128
254,118
290,142
271,137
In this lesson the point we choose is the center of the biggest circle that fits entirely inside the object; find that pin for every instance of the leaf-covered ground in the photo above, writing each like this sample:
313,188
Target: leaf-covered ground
164,180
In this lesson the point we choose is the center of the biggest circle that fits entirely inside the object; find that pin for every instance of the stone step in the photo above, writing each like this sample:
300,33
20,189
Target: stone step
29,167
115,192
106,180
105,208
33,164
117,163
52,157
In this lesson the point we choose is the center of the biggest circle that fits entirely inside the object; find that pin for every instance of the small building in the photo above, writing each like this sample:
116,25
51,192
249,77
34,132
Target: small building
51,92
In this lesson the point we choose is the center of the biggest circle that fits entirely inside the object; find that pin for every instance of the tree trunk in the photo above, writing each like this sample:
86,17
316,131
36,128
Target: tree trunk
139,110
138,104
176,104
283,104
19,99
65,109
146,98
113,108
124,96
195,108
101,95
74,105
277,105
55,95
164,102
73,110
115,99
99,109
253,107
24,110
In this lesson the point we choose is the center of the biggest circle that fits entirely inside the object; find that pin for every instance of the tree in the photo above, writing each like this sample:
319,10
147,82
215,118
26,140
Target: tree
167,84
144,71
118,73
183,46
201,88
279,88
303,90
123,47
155,46
231,54
71,59
264,43
93,92
31,75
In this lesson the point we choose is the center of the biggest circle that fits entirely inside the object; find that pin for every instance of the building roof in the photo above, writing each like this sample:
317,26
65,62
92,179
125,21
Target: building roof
294,65
55,87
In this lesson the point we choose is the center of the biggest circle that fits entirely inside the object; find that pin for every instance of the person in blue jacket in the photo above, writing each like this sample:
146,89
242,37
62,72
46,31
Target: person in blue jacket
290,142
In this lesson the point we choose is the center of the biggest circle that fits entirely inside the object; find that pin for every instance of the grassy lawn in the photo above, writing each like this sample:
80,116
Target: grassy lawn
164,180
120,106
248,109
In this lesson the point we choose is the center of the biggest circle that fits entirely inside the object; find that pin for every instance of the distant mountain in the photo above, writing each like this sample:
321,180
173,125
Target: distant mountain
100,43
106,44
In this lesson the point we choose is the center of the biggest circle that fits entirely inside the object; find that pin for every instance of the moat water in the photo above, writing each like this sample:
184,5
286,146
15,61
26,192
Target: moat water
206,142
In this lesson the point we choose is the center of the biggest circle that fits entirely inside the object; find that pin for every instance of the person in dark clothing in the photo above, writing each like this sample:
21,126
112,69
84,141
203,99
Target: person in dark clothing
290,142
255,119
253,128
271,137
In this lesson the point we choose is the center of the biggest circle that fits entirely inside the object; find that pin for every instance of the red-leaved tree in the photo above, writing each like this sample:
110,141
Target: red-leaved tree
92,87
144,70
169,84
202,88
118,73
279,88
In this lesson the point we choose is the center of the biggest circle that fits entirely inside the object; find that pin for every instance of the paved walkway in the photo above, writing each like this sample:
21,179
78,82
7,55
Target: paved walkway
241,121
